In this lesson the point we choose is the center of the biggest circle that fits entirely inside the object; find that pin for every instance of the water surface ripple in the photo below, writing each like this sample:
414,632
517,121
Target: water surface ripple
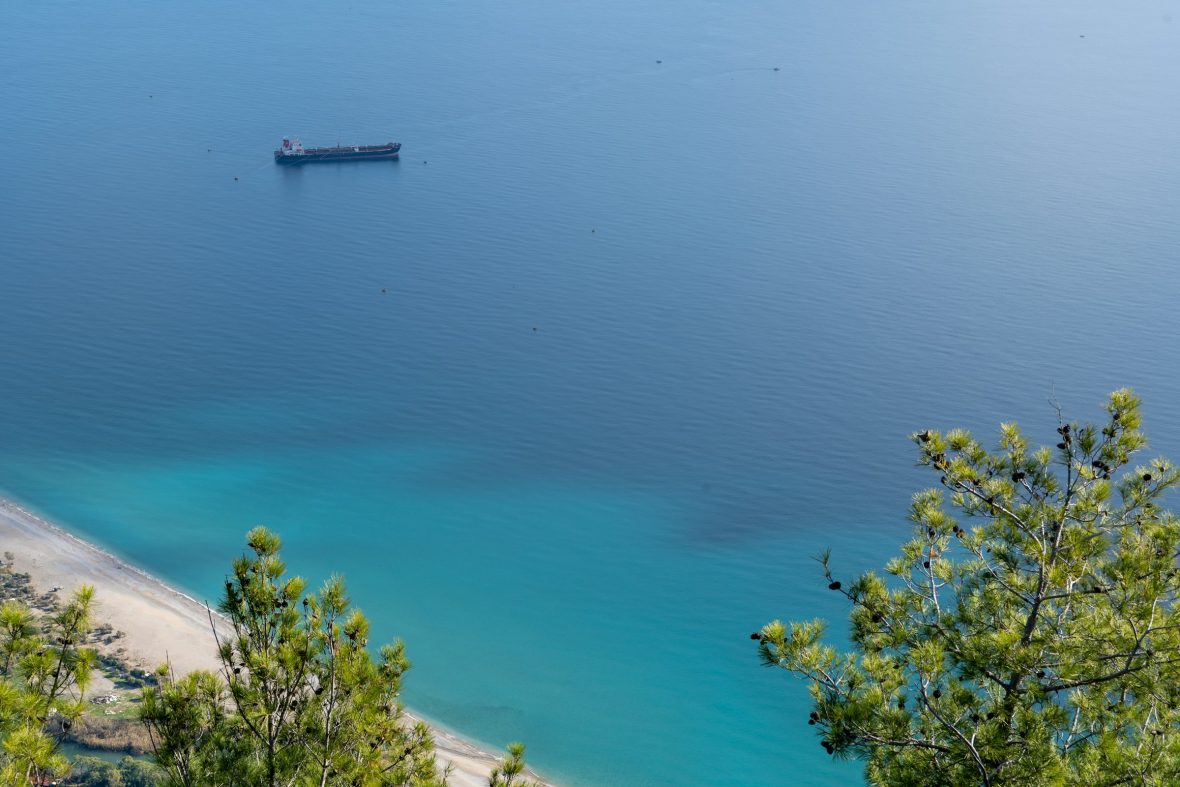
572,392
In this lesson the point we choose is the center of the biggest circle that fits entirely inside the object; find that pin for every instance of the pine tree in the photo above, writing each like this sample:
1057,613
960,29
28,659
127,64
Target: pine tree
511,770
46,672
1033,640
299,701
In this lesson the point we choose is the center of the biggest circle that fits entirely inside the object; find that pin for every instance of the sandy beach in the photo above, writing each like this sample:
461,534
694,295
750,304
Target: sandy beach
159,622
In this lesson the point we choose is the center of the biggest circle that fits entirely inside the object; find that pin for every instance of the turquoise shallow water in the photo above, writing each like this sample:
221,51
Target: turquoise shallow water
572,393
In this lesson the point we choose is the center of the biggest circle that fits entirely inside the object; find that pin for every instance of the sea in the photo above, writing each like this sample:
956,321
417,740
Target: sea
642,320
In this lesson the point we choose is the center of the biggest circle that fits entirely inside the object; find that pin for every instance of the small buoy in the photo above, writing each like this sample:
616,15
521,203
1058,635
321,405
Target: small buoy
776,68
208,150
534,328
382,290
424,162
235,178
1082,36
593,230
659,61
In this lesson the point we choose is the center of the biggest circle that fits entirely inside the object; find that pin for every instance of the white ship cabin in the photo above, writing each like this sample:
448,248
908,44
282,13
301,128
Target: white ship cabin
291,147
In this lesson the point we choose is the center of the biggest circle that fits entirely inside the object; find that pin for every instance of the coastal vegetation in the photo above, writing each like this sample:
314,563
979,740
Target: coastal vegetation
300,699
45,669
127,772
1027,634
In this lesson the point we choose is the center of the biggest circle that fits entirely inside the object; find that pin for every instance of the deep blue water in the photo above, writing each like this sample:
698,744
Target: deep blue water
571,393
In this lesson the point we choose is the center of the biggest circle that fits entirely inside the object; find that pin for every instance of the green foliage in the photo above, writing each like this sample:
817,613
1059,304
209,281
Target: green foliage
128,772
138,773
94,772
45,673
195,740
300,700
16,634
510,771
1028,633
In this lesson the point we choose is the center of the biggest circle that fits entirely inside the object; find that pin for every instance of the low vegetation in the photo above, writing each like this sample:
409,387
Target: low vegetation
128,772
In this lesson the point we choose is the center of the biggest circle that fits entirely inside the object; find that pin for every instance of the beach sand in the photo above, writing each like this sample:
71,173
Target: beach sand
159,623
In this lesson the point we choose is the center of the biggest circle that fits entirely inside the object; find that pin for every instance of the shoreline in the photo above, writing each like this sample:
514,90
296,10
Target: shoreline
161,623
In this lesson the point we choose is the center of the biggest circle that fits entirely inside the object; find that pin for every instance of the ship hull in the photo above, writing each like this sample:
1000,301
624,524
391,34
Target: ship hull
359,153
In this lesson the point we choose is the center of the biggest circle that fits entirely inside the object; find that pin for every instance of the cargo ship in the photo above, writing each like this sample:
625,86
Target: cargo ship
293,152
